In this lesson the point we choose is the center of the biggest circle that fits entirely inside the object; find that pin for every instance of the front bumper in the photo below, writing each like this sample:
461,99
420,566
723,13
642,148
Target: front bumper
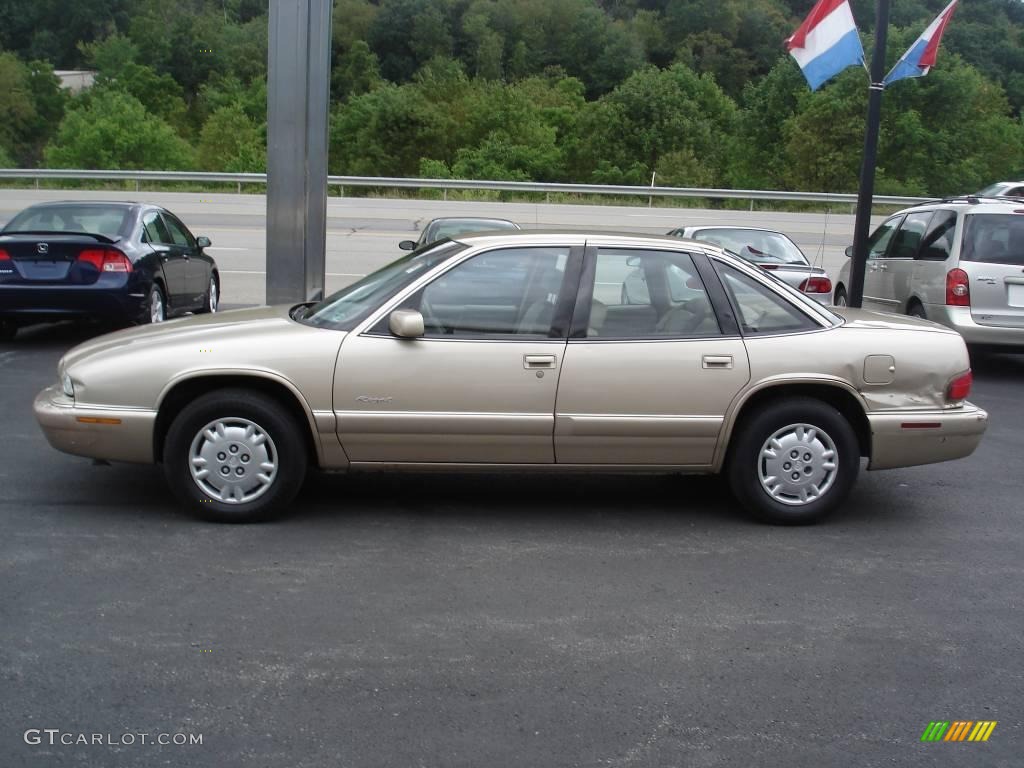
115,434
909,438
961,321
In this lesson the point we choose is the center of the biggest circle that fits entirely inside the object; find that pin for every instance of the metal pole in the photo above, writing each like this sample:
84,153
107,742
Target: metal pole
867,169
298,79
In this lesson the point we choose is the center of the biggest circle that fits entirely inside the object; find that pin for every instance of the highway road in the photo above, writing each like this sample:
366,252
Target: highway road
363,233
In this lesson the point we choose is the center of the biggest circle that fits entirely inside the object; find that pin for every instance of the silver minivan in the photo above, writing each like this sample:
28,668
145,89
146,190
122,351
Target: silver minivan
957,262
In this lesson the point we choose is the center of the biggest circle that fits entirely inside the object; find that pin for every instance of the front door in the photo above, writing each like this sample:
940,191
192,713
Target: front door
196,273
897,268
651,368
479,385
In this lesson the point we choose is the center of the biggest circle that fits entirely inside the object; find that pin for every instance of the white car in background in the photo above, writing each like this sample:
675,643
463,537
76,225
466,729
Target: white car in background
959,262
773,251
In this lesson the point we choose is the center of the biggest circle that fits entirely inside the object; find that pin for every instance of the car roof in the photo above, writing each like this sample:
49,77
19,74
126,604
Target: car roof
578,237
110,203
971,204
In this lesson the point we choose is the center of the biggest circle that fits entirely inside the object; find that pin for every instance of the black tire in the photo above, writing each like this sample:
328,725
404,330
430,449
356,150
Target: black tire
746,465
916,310
8,330
156,294
285,448
213,288
839,298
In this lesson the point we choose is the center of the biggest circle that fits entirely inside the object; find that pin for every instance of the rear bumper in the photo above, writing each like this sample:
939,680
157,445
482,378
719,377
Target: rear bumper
43,303
909,438
960,320
130,439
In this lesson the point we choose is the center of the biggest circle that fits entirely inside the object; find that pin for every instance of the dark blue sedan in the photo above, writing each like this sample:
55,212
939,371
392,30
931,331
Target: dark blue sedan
117,262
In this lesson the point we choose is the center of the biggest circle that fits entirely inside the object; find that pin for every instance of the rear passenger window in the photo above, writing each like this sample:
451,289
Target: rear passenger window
761,310
938,240
648,295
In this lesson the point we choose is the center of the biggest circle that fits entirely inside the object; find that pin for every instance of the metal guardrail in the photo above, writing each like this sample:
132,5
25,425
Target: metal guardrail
38,174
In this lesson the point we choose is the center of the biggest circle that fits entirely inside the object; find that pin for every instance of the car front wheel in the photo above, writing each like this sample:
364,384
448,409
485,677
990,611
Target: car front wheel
793,461
235,456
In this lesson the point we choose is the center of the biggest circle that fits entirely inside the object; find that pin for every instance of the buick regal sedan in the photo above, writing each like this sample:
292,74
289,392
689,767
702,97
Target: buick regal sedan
516,351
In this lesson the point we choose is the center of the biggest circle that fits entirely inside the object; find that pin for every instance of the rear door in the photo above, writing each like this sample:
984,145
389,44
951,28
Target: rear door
648,380
196,270
172,260
992,255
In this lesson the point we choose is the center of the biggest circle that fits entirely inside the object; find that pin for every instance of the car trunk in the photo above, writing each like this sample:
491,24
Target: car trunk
992,255
44,260
793,274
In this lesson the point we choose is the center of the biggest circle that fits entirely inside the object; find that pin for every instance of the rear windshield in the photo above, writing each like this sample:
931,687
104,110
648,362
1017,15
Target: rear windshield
455,227
994,238
96,219
754,245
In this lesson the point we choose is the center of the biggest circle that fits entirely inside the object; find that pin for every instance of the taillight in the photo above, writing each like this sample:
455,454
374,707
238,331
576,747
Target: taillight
960,387
4,255
816,285
958,289
106,260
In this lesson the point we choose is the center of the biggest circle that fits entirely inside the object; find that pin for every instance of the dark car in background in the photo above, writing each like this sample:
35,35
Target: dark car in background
117,262
438,229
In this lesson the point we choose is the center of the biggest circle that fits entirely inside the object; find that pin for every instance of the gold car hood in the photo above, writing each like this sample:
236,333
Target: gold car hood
202,328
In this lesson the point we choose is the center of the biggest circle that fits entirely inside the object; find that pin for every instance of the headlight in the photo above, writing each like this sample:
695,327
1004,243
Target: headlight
67,385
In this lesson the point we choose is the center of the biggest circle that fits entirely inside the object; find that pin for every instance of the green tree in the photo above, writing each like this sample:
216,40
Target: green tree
231,142
31,103
109,129
356,72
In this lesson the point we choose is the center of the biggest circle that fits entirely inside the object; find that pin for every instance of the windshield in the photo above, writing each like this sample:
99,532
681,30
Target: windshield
346,308
109,220
456,227
755,245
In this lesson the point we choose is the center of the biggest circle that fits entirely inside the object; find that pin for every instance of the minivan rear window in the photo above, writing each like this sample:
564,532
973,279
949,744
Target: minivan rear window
994,238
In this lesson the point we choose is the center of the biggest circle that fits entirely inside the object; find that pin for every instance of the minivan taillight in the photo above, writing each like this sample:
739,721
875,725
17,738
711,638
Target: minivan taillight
960,387
816,285
958,289
106,259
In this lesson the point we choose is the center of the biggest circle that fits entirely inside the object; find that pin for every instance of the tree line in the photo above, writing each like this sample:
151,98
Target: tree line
693,92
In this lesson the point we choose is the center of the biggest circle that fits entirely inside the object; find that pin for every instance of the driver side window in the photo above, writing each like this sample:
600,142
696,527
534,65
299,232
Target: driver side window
510,292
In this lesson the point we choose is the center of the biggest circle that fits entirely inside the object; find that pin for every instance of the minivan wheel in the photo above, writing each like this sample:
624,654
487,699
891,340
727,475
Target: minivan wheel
793,461
235,456
839,299
916,310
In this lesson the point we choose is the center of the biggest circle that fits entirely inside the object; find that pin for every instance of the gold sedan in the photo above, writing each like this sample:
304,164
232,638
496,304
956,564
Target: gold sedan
519,350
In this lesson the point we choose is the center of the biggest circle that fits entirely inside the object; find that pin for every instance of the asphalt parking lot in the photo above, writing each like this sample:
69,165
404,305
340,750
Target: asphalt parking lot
507,620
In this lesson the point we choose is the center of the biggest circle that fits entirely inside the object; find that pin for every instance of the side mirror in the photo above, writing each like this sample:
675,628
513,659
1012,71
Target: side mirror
849,251
203,242
407,323
407,245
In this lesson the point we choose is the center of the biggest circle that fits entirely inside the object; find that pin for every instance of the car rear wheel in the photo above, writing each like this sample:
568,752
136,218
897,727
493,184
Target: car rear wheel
235,456
839,299
212,299
793,461
156,305
916,310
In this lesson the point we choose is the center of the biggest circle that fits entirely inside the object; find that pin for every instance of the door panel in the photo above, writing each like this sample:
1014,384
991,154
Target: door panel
172,260
658,402
875,273
436,400
897,268
479,386
195,270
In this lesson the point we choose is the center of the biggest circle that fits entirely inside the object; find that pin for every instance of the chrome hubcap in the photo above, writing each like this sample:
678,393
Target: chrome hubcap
797,464
233,460
156,308
841,300
214,298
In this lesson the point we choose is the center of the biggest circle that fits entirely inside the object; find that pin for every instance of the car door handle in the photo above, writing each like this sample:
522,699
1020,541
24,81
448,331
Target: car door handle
539,361
716,361
883,267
